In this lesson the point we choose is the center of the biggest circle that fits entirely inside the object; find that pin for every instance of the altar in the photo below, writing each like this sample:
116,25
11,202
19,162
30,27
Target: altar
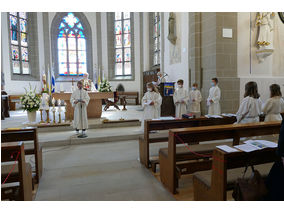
94,108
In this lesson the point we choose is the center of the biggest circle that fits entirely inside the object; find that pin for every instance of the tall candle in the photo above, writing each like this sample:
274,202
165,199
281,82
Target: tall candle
61,88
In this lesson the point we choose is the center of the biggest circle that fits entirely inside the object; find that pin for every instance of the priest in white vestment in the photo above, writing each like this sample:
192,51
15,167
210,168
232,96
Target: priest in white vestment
151,103
180,99
213,100
195,99
80,100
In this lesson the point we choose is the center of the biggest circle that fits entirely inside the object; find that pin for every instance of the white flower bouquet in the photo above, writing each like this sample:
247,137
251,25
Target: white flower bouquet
105,86
30,100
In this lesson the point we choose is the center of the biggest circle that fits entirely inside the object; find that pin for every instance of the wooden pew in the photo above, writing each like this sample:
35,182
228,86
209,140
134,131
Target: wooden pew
168,157
26,134
227,167
18,186
129,95
13,99
154,125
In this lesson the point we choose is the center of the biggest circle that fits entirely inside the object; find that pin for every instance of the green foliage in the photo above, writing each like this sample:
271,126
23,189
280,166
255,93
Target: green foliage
105,86
30,100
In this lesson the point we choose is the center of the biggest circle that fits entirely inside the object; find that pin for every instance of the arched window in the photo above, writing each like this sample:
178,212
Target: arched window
122,45
19,43
71,47
156,39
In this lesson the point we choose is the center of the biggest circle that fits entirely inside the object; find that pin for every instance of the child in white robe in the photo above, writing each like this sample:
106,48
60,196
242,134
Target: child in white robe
80,100
274,105
213,100
250,107
195,99
151,103
180,99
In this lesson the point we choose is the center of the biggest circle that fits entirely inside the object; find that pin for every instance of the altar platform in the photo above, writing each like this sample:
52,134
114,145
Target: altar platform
98,132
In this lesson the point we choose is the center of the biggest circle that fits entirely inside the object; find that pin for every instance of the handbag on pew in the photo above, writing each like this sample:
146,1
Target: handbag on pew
250,189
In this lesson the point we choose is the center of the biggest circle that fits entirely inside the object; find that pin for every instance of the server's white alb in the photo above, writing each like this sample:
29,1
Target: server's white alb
80,111
180,100
194,101
214,108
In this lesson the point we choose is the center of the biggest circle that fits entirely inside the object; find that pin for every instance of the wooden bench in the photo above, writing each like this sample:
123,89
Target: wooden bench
168,157
13,99
155,125
226,169
18,185
129,95
26,134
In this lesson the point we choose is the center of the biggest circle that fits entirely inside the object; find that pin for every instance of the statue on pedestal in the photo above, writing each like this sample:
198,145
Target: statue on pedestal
264,21
87,83
172,31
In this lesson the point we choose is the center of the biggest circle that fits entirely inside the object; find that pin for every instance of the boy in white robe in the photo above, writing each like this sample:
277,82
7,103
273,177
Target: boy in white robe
195,99
151,103
250,107
80,100
213,100
274,106
180,99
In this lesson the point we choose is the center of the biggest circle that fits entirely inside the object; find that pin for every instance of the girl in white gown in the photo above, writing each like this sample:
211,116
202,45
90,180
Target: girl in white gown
180,99
274,105
250,107
151,103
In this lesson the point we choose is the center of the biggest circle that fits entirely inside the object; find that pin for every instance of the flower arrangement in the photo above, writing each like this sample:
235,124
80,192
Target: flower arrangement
105,86
30,100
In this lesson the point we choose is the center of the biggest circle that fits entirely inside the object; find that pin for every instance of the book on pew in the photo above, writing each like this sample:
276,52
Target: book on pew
253,145
261,144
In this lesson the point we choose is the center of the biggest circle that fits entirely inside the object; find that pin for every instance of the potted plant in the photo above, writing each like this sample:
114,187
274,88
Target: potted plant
31,103
105,86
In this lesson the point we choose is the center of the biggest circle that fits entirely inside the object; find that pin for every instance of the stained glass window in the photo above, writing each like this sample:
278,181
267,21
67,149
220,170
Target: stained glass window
156,38
71,47
19,42
122,44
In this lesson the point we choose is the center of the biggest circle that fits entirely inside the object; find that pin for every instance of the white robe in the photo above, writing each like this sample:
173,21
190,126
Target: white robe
151,111
249,110
214,95
180,94
80,111
272,109
194,106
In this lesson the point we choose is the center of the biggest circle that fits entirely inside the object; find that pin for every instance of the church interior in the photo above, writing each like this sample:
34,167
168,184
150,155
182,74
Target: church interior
142,106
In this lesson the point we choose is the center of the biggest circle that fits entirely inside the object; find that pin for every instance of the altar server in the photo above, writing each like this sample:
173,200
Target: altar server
195,99
250,107
180,99
274,105
213,100
151,103
79,100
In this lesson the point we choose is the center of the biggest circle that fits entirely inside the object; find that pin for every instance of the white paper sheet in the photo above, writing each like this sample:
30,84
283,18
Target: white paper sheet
261,144
227,149
148,102
164,118
246,148
229,115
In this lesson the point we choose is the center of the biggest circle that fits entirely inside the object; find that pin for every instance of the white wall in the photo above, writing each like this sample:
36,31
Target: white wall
268,72
178,70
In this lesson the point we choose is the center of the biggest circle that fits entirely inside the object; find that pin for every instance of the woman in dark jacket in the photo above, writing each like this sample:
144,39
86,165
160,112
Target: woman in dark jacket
275,179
